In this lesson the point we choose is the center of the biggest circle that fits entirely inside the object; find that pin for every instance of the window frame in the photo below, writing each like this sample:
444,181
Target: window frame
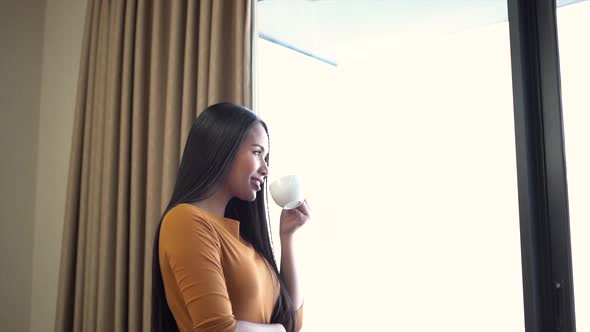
541,167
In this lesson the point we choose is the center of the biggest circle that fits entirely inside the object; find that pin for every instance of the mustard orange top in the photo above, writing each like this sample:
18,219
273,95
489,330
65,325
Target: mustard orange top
212,278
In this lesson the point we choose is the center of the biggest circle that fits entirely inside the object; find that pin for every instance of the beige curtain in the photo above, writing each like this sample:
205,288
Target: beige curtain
147,68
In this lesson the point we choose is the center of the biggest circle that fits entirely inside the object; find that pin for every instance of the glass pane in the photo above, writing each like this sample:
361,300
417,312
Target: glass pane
573,26
399,117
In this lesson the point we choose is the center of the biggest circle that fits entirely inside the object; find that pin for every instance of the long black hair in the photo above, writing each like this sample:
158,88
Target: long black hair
211,146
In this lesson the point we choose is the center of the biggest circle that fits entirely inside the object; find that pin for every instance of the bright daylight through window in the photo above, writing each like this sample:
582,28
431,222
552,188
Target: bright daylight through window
404,135
573,27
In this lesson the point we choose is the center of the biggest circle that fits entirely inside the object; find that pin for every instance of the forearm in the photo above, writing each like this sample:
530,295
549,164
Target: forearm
289,270
244,326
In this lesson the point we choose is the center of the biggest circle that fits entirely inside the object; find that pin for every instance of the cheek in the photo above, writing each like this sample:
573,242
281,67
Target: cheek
249,163
244,167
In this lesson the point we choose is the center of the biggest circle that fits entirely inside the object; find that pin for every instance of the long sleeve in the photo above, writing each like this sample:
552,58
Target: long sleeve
191,247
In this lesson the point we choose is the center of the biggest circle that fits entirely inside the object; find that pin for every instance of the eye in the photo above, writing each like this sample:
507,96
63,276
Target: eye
258,152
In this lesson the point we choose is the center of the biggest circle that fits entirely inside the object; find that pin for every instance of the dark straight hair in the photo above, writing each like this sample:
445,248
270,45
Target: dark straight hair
210,150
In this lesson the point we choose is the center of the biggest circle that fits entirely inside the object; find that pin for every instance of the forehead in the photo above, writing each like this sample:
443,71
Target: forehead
257,135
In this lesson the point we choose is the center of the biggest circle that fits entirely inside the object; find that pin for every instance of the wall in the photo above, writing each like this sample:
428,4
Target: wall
64,25
21,44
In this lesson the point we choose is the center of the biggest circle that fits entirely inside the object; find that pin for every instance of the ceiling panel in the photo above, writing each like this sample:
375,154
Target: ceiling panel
341,30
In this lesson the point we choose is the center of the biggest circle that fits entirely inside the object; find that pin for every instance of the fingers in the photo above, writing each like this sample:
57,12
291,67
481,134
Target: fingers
304,208
307,204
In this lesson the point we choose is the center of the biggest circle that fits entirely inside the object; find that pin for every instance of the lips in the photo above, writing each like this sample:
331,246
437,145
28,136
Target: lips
257,183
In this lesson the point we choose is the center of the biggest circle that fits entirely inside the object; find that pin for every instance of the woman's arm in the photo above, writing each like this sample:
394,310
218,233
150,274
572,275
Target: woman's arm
190,247
244,326
289,270
291,220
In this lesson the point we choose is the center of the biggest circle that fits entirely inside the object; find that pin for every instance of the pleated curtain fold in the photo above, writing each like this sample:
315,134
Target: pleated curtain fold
147,69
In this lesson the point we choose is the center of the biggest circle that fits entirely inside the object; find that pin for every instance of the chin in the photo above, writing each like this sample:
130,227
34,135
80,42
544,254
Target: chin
253,198
249,197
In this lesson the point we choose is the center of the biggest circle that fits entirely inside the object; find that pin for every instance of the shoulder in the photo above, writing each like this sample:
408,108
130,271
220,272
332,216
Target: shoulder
185,211
184,220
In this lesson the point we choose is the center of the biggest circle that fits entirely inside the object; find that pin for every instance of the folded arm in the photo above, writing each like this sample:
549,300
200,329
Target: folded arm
193,251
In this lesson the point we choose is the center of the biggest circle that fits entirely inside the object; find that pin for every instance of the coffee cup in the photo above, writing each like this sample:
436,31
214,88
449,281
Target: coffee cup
287,192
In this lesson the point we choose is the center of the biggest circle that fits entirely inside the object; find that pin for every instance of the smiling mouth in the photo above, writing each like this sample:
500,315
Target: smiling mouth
256,183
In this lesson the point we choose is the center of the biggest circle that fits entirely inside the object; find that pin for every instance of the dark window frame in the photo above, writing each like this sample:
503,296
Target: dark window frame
541,170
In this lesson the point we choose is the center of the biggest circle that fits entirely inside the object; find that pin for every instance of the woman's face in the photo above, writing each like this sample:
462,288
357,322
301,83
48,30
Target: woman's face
249,170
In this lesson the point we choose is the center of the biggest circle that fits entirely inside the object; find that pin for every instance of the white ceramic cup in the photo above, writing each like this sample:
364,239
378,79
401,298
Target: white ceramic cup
287,192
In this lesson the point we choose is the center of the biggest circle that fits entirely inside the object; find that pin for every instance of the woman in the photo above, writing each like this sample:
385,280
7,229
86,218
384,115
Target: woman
213,263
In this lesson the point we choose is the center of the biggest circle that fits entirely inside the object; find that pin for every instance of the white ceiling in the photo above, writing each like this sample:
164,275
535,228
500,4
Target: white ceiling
337,30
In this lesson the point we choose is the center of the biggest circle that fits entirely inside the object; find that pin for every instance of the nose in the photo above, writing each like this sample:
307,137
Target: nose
263,169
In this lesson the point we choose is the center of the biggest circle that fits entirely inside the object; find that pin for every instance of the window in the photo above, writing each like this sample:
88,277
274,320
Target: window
407,148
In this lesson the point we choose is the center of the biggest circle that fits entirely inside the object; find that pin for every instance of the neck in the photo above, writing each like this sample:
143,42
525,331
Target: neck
215,204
